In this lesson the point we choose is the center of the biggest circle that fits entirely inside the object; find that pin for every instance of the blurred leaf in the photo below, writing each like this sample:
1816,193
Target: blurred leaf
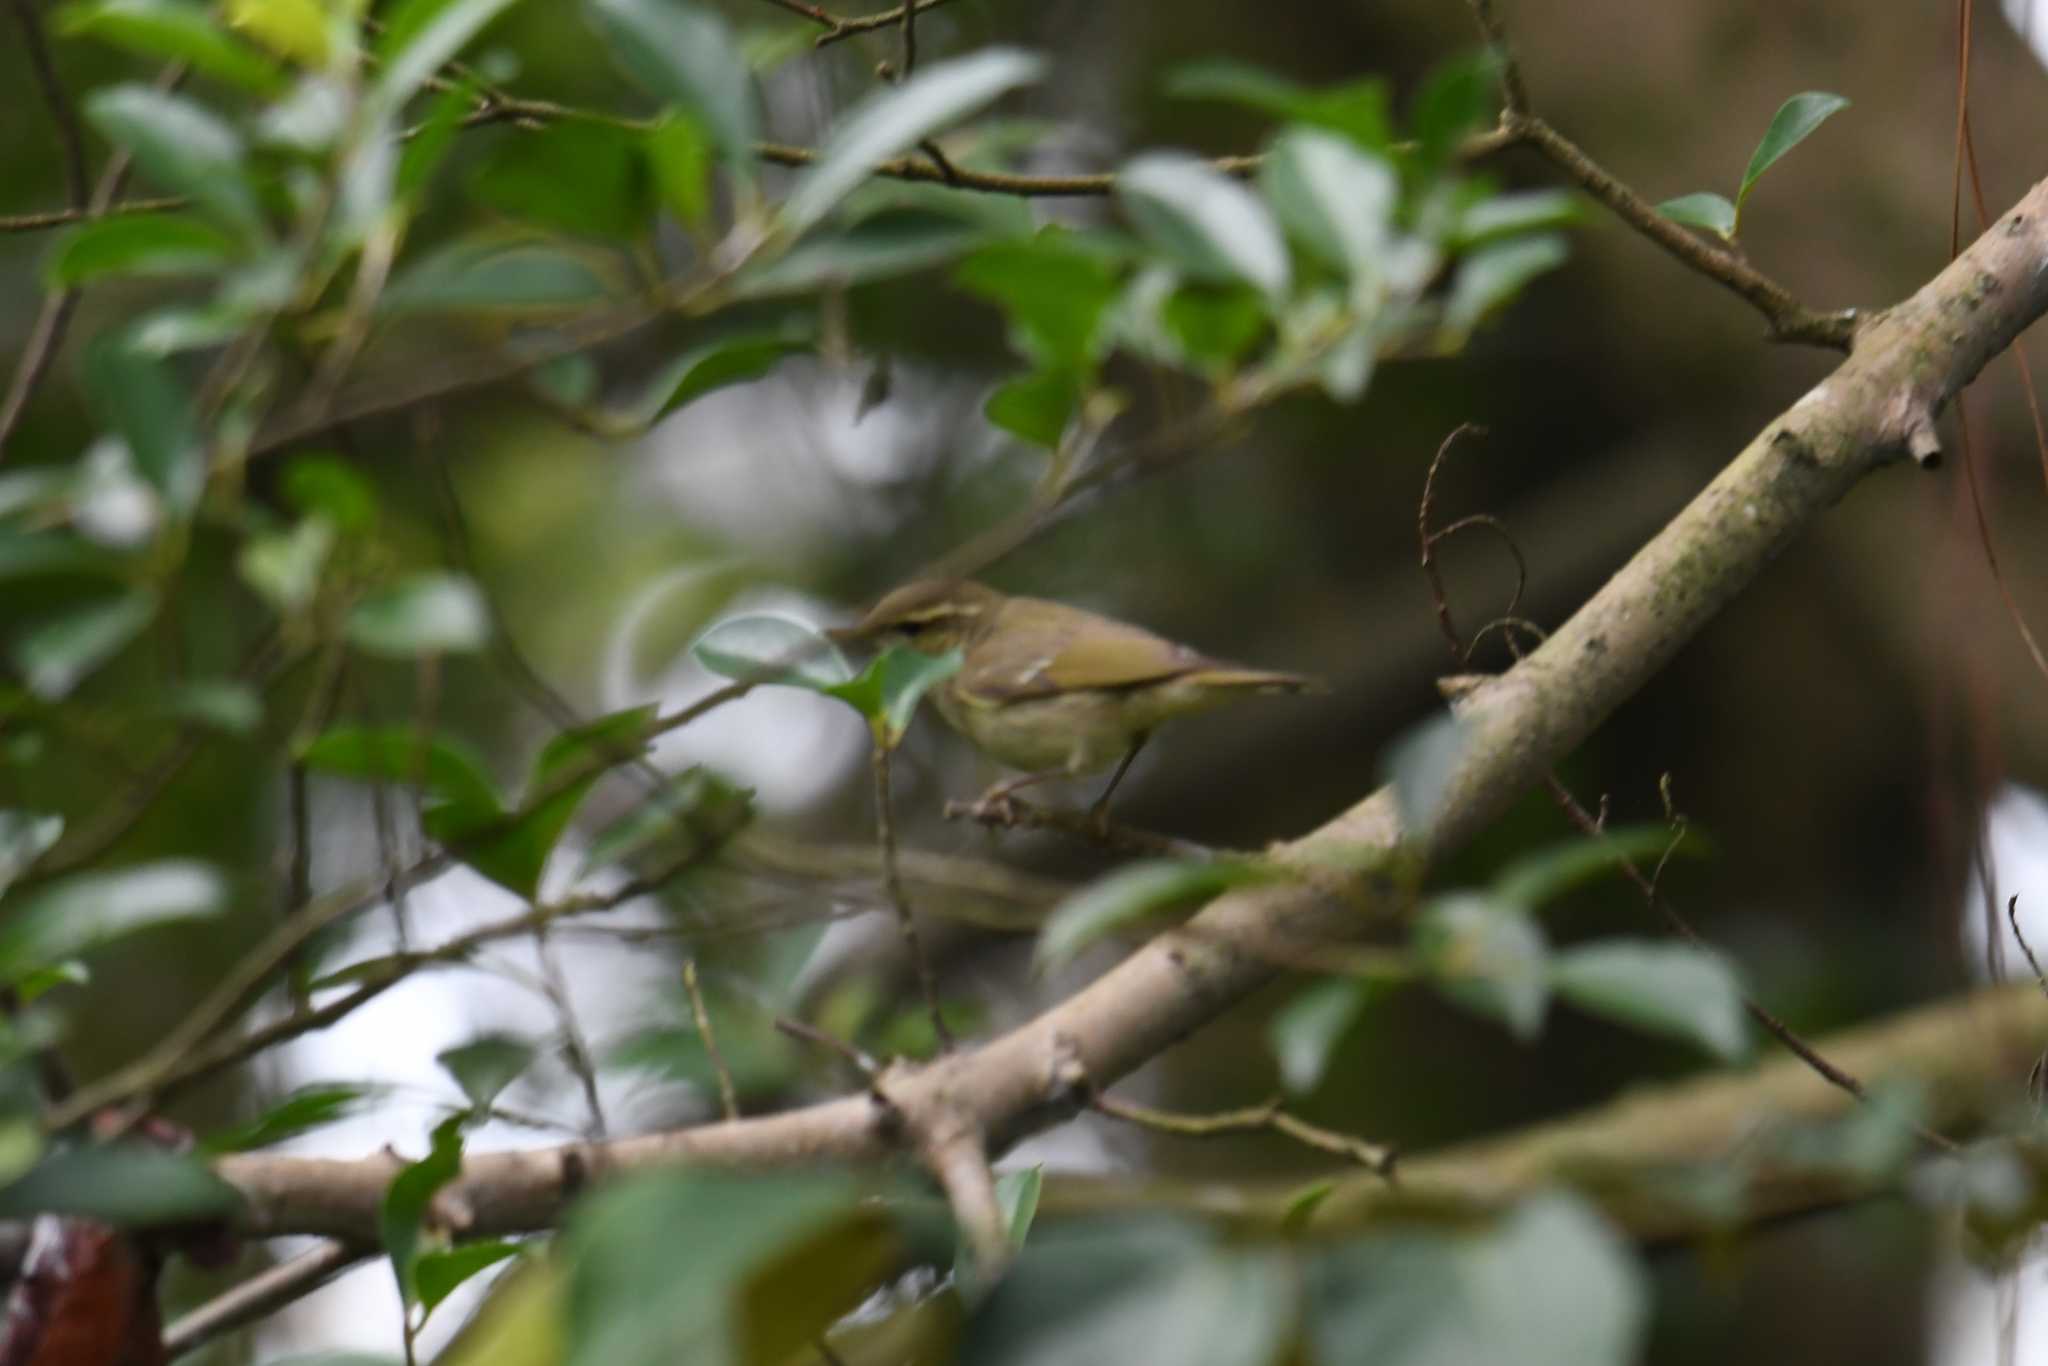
41,981
584,178
486,1066
1053,292
60,652
183,146
284,566
509,848
1494,274
296,29
174,30
1455,100
760,648
418,39
1684,991
892,120
36,554
1017,1193
310,120
760,1060
439,1274
1358,111
521,1321
684,55
432,612
1337,200
888,690
145,244
1488,956
227,705
442,767
1701,210
1420,764
1305,1032
1036,406
25,836
1550,1285
877,248
423,153
1214,325
1133,893
1877,1139
568,381
406,1201
696,810
1503,215
484,277
126,1184
1540,877
305,1109
330,487
1206,222
592,747
76,914
1794,122
136,395
738,359
679,152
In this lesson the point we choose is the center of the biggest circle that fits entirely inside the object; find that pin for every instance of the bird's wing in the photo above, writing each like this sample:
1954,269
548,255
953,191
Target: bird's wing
1081,650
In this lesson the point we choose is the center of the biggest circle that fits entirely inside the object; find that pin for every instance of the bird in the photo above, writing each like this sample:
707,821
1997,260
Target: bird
1050,689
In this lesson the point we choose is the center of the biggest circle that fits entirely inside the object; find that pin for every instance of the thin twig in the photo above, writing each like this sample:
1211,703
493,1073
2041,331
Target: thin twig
892,883
728,1095
259,1296
868,23
1012,814
1514,94
1374,1157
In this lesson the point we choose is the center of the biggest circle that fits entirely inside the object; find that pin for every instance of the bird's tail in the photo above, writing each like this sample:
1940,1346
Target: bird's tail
1261,680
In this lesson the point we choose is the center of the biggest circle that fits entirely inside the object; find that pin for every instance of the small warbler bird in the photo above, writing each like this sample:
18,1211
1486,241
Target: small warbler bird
1054,690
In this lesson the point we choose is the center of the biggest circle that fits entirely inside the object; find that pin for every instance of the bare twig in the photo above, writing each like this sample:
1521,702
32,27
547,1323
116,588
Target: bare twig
868,23
892,883
259,1296
958,1158
1375,1157
728,1096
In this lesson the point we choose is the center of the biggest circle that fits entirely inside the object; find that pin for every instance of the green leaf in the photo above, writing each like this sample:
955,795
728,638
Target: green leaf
424,153
138,397
680,152
329,487
126,1184
73,916
1036,406
1504,215
184,147
1204,221
294,29
696,811
443,768
1358,111
1680,990
1054,292
1017,1194
1215,325
1488,956
174,30
38,983
1336,200
1536,879
225,704
433,612
585,178
492,277
511,849
142,244
25,836
484,1067
738,359
419,38
306,1109
761,648
684,54
1550,1285
894,119
1701,210
438,1274
888,690
591,748
53,554
877,248
406,1201
1305,1032
1494,274
284,566
1133,893
56,655
1420,764
1791,125
1454,101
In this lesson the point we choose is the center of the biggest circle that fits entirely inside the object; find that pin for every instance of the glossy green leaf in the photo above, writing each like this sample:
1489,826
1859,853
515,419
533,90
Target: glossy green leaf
484,1067
761,648
60,652
1794,122
585,178
1036,406
418,39
284,566
184,147
1054,292
894,119
1305,1032
328,486
25,836
1337,200
1494,274
306,1109
140,399
509,848
1681,990
432,612
1488,956
401,755
175,30
492,277
888,690
738,359
684,54
127,1184
140,244
1204,221
1540,877
681,154
1358,111
1132,894
437,1275
72,916
406,1200
1701,210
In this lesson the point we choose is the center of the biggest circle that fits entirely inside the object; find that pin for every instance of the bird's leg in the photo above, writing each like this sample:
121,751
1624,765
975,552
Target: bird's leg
996,802
1098,814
